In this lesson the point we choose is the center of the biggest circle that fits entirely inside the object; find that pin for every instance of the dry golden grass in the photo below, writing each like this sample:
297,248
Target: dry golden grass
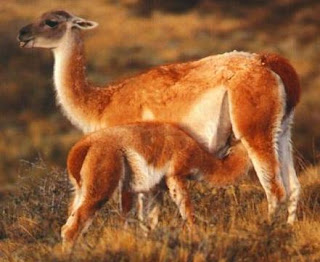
231,225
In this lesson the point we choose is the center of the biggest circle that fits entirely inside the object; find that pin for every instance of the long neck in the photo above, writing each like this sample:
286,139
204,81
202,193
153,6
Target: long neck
73,91
220,172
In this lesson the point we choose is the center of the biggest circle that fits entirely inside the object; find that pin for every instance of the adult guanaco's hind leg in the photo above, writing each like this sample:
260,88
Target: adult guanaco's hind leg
259,130
288,172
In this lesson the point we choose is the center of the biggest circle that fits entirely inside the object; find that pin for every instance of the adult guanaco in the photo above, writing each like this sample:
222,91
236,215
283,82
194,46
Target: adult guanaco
140,156
252,96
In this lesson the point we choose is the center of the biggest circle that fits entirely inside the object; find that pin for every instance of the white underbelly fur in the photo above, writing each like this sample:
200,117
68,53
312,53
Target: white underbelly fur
145,176
208,121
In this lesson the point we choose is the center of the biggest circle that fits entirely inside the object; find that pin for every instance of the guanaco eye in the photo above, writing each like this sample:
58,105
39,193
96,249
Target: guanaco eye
51,23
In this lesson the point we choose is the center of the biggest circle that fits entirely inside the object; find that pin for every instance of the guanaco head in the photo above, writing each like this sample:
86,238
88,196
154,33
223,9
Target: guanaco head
49,30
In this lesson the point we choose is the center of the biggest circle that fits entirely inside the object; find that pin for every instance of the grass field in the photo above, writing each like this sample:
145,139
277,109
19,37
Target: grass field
35,137
231,225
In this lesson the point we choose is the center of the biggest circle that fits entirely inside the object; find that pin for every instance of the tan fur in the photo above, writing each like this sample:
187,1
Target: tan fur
105,158
252,95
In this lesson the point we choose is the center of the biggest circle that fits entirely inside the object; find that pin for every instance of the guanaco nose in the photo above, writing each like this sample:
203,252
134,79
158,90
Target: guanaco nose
25,33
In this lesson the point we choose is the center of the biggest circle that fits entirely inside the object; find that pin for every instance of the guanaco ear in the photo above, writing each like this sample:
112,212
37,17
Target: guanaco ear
84,24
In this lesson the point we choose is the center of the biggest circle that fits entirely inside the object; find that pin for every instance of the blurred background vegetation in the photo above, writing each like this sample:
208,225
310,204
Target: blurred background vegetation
137,34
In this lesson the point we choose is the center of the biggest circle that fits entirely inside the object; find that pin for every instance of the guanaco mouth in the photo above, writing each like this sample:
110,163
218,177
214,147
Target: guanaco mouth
26,44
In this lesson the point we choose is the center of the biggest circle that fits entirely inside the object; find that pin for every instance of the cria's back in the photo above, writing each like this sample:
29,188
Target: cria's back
148,138
138,157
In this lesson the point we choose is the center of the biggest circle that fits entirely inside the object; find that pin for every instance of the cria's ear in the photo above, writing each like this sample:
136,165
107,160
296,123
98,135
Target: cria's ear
84,24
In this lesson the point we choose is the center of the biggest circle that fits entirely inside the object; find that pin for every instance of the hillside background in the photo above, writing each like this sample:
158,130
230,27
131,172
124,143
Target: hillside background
134,35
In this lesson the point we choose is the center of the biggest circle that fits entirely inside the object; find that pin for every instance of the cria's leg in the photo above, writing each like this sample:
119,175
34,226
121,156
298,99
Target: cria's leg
152,209
79,220
180,196
148,209
142,199
126,195
153,216
126,205
75,201
99,180
288,172
127,198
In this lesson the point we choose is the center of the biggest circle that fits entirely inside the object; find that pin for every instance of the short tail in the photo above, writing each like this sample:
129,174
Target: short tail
232,167
289,76
75,161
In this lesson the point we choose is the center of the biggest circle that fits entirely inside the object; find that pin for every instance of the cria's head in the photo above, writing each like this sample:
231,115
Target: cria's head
49,30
